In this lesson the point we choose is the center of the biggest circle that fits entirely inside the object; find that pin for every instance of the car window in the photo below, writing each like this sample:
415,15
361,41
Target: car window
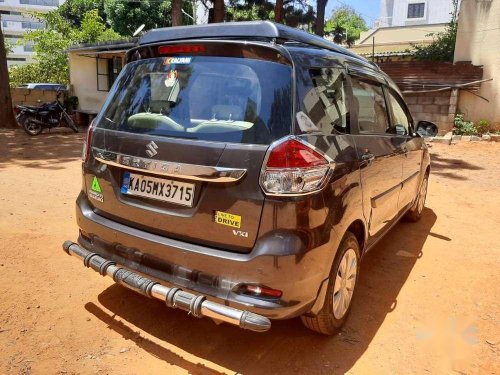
400,121
211,98
370,103
330,93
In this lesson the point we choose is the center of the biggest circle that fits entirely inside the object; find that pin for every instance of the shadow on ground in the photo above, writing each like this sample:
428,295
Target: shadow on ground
46,151
448,167
288,347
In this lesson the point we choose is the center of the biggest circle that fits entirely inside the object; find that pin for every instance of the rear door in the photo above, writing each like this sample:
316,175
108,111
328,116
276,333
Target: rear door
179,144
379,153
411,146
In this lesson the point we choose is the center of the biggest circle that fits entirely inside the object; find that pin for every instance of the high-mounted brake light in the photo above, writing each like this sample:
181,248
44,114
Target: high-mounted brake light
181,48
88,142
293,167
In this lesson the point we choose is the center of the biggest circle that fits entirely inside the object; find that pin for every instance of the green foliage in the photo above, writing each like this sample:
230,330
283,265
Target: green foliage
74,10
8,46
345,25
442,47
126,16
483,127
295,14
462,127
51,44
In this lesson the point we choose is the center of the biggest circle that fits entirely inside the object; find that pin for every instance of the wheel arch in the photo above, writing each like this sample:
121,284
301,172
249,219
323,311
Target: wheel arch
357,228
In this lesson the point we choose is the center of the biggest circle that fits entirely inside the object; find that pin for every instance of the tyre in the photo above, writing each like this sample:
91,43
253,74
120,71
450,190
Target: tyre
415,212
32,127
341,288
70,123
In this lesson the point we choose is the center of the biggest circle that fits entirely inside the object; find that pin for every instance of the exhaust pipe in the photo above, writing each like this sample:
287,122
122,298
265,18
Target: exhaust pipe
195,305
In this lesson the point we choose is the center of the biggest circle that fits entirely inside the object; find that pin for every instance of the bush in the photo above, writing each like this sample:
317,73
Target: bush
483,127
462,127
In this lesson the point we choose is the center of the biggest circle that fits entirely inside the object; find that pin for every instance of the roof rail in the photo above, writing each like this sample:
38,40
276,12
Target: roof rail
250,29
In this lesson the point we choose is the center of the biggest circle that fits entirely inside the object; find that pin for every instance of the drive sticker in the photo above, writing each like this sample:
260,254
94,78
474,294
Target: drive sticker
228,219
95,190
95,185
177,60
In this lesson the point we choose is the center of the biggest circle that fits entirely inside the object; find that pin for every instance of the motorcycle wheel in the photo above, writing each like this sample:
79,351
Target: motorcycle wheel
70,123
32,128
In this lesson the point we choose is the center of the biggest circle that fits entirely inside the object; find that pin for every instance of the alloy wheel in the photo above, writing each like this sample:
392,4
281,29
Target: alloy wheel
345,281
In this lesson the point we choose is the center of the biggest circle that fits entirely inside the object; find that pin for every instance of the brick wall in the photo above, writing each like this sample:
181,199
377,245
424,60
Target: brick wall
31,97
437,107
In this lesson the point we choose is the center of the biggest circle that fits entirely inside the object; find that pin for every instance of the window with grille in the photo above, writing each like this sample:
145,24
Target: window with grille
416,10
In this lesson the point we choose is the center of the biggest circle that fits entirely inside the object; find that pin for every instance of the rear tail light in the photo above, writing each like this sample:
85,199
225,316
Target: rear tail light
88,142
294,167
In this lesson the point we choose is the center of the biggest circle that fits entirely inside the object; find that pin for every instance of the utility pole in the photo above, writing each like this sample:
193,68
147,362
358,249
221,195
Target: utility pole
7,119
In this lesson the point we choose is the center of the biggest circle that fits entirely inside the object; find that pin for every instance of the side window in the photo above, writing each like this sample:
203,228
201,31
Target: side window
327,101
400,121
370,103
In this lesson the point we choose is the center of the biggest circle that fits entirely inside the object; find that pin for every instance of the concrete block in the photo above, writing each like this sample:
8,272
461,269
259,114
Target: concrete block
456,137
495,137
475,138
486,137
444,140
415,108
411,100
444,109
441,100
466,138
425,100
431,108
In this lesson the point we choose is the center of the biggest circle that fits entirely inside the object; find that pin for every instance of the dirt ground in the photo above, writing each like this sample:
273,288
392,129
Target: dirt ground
428,298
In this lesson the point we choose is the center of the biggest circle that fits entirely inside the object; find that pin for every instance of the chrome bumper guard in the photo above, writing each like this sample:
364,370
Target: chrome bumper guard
195,305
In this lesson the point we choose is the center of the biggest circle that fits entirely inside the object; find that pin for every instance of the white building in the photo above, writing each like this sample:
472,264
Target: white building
14,24
414,12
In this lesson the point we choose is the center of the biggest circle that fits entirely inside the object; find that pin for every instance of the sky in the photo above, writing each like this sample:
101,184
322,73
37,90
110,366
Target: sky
368,8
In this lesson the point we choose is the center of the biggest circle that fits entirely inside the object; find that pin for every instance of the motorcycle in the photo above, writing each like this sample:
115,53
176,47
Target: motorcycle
49,115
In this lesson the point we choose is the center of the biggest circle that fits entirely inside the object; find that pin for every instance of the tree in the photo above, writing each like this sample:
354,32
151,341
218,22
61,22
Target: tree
176,12
294,13
219,11
74,10
442,47
50,45
278,11
345,25
319,28
126,16
7,119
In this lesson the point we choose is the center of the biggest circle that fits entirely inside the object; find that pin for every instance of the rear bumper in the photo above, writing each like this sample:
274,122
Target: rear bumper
198,306
211,272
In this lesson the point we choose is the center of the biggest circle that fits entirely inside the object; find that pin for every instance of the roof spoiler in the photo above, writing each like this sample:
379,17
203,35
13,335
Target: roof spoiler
248,30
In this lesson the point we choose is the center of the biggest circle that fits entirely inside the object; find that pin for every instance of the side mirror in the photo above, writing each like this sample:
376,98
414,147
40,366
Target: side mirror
427,129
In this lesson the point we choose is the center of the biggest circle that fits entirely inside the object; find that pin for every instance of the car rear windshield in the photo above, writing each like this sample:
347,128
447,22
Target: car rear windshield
226,99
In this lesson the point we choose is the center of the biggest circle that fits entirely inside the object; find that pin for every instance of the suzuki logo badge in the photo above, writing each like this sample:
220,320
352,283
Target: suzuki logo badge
151,149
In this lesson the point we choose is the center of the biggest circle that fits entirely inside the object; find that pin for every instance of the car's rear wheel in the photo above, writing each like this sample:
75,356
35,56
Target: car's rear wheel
415,213
341,288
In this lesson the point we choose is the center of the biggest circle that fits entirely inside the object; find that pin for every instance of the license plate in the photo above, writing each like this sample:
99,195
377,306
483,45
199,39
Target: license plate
158,188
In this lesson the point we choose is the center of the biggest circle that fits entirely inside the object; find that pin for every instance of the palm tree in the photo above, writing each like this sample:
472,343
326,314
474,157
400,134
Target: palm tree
7,119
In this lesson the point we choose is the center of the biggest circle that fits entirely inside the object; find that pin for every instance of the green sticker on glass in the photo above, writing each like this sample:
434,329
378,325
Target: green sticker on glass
95,185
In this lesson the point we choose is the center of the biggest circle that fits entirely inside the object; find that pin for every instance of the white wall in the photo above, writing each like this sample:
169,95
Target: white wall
478,41
394,12
83,80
